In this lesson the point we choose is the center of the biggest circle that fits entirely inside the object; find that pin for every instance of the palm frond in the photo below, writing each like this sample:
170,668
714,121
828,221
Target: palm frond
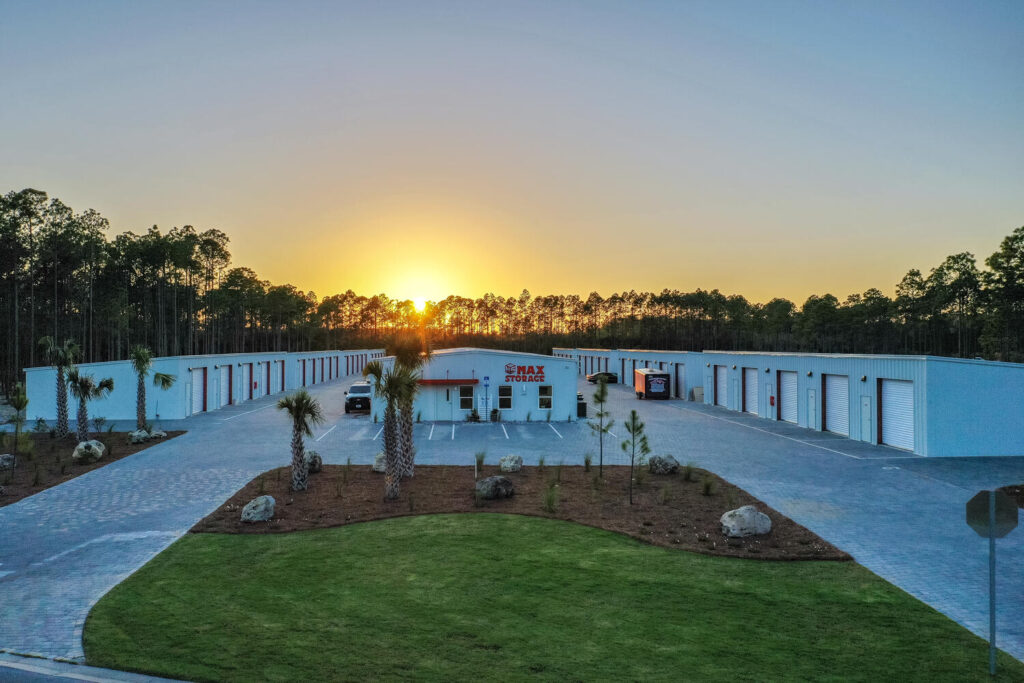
163,380
141,359
304,410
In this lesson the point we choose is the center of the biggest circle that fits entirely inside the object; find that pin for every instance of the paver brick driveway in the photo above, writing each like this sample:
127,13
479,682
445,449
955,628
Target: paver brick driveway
899,515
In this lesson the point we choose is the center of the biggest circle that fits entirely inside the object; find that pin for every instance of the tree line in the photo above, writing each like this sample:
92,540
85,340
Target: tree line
177,292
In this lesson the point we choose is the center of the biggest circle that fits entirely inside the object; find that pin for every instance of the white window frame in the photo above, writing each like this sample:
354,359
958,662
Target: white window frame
540,396
511,393
470,398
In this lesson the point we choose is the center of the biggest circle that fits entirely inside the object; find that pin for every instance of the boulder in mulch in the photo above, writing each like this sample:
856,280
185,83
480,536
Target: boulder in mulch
259,509
495,487
87,452
511,463
8,461
158,434
314,462
139,436
379,463
745,521
663,464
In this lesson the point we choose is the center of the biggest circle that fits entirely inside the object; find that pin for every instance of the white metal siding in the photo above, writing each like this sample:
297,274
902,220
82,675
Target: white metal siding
898,413
721,382
837,404
197,391
788,397
225,384
750,392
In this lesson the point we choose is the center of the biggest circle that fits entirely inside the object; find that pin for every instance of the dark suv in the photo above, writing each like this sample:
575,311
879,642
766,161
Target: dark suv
358,397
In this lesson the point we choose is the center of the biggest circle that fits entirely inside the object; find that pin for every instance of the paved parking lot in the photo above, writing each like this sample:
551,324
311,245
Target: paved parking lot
898,514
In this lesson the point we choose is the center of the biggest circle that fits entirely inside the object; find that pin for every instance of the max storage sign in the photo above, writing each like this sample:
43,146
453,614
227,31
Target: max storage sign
648,383
524,373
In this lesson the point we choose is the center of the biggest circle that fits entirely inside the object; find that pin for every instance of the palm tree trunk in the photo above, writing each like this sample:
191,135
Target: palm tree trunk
62,429
392,471
83,421
140,404
300,472
408,449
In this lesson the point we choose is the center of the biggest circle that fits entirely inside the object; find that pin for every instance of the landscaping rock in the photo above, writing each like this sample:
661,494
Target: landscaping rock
87,452
745,521
511,463
8,461
2,490
495,487
314,462
259,509
379,464
158,434
139,436
663,464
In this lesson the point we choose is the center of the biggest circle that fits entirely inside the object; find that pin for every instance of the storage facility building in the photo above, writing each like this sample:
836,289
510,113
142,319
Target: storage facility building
928,405
519,386
202,383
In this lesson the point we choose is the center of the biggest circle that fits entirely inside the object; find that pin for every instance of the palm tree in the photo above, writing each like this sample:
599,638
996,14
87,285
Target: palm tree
18,401
142,362
85,389
390,386
411,354
63,357
305,412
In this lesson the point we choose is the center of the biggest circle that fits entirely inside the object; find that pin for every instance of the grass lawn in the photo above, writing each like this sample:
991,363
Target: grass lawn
483,596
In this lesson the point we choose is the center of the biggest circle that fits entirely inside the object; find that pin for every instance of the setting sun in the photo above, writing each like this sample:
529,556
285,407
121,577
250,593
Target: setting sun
420,303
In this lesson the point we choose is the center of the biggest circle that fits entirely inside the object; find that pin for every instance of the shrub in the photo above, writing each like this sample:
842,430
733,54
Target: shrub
689,471
587,459
480,462
37,478
540,464
730,498
473,416
261,485
41,427
98,423
558,471
418,414
551,497
707,485
347,470
663,496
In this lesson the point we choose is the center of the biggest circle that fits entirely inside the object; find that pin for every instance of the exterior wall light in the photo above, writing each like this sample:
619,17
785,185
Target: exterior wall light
810,374
708,364
767,370
734,367
863,378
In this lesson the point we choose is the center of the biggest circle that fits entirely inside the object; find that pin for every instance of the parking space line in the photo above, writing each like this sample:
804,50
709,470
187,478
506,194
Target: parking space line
781,436
453,431
326,433
377,434
554,430
245,413
504,430
431,435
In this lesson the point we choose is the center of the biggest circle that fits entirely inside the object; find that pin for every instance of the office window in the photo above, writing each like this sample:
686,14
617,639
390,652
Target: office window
544,400
465,398
505,397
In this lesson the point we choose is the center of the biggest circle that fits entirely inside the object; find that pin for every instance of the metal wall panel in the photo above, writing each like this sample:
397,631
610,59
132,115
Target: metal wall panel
898,413
750,391
721,384
837,404
788,397
198,388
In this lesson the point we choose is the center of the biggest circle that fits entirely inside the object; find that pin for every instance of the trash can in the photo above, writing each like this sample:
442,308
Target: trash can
581,408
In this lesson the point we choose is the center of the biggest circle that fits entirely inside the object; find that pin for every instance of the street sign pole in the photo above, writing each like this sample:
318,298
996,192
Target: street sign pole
992,585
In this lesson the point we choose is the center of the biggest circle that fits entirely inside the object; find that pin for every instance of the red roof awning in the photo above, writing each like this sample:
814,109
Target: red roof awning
447,382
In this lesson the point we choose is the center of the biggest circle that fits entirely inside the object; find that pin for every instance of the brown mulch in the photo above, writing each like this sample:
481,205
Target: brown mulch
51,458
1015,492
668,510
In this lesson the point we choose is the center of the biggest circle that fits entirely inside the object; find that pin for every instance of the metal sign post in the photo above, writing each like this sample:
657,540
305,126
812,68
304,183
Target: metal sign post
992,515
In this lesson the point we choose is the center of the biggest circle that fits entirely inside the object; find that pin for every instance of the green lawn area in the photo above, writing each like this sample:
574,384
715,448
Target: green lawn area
501,597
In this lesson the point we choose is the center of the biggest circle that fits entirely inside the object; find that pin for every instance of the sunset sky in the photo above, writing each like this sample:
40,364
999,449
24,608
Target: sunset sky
427,148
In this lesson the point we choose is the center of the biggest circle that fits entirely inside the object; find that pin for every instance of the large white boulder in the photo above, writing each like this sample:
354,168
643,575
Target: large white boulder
138,436
314,463
259,509
158,434
8,461
745,521
379,463
511,463
87,452
663,464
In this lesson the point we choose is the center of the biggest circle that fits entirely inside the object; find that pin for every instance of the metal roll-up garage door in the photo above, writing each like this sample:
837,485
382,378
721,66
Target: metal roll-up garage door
898,413
225,385
720,385
787,397
837,404
750,392
246,383
198,390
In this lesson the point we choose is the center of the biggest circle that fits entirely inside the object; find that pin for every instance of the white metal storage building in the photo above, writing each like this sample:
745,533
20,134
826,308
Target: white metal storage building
203,383
929,405
520,386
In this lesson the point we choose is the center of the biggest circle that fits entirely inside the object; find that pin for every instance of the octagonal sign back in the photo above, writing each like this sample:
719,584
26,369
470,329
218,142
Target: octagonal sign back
978,514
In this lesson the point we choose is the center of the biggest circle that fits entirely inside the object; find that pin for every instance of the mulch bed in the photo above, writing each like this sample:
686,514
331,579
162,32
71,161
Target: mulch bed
51,458
668,510
1015,492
